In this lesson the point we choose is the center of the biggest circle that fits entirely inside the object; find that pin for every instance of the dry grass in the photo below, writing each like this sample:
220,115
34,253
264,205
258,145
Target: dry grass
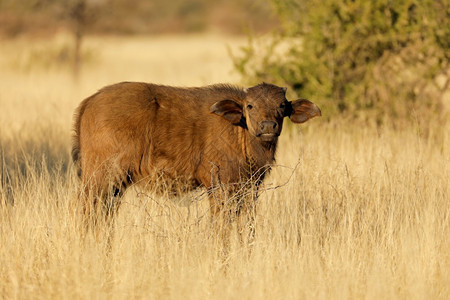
366,213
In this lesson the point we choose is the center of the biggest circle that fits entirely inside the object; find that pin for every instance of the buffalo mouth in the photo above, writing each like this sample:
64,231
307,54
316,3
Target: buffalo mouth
267,137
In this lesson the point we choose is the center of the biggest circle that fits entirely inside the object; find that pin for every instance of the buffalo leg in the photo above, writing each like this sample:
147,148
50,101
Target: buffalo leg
246,220
100,199
221,221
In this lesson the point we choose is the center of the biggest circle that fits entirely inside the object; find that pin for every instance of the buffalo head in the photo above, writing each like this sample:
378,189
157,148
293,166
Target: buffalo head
263,109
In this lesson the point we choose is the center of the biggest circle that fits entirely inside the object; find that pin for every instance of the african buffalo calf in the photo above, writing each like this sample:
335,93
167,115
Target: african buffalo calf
219,137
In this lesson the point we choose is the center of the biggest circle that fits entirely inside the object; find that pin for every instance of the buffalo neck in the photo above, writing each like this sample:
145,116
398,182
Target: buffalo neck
258,154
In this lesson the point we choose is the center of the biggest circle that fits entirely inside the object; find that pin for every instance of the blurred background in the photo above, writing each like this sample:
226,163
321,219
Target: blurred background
44,17
368,59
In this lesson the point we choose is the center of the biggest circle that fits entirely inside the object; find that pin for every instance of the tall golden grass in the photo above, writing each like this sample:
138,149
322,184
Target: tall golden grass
361,212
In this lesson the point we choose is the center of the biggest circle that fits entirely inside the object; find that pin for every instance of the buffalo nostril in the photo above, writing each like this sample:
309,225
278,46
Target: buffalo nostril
268,126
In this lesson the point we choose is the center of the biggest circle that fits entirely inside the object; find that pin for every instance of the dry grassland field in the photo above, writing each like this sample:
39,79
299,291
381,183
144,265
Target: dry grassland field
363,211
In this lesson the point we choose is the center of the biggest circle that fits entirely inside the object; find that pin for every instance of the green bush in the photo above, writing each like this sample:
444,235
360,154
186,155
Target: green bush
378,57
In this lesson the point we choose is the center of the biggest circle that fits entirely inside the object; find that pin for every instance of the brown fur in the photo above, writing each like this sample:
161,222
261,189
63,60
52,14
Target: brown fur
221,137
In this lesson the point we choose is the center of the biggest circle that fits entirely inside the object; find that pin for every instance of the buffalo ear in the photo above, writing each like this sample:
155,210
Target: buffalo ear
228,109
301,110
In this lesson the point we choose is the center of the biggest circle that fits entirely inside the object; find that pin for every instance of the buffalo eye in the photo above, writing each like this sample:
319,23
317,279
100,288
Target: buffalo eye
249,106
282,105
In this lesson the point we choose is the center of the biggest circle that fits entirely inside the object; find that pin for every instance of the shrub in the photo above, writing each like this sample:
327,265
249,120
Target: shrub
379,57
